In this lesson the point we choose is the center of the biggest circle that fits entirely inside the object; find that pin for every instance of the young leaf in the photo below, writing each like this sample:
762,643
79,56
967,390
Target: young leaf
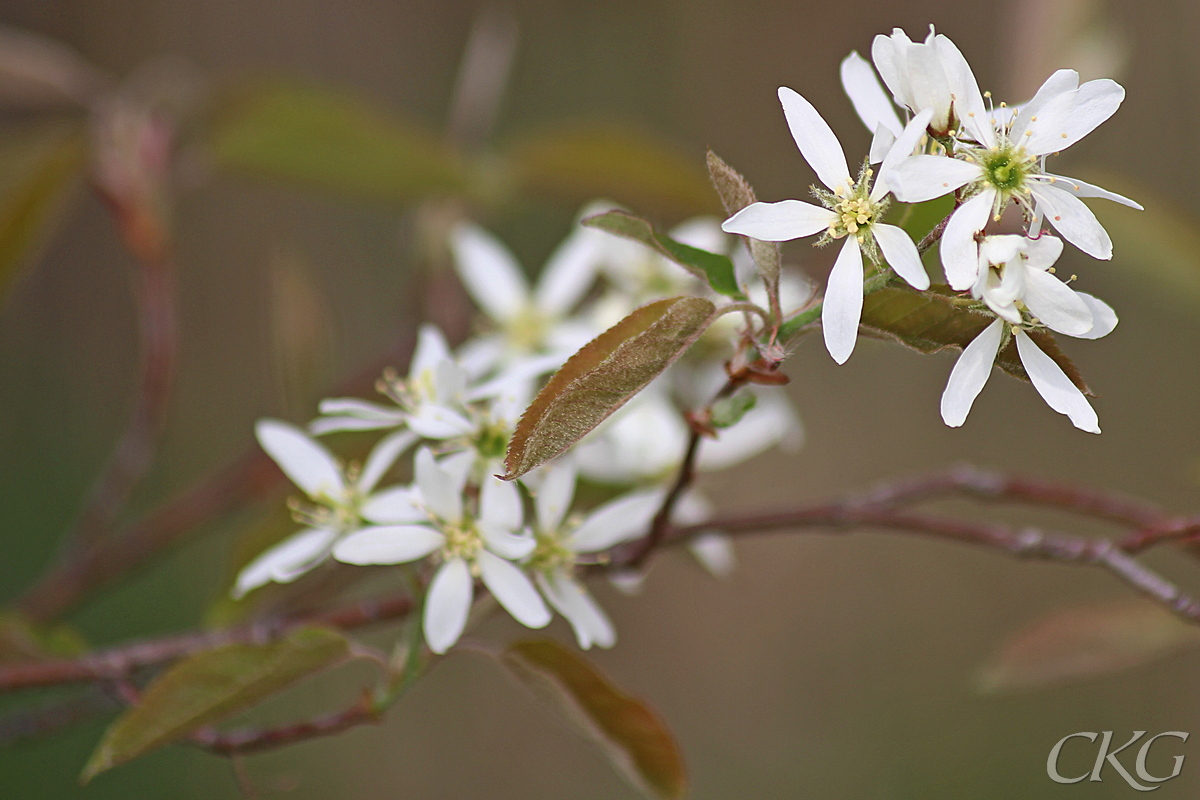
729,411
332,141
716,269
602,376
736,194
1076,643
633,737
211,686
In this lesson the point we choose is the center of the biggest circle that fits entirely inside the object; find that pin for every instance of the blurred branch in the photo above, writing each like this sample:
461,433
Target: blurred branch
251,740
482,77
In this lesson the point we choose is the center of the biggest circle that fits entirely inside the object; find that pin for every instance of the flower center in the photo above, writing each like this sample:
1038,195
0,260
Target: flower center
853,213
462,541
527,329
1006,168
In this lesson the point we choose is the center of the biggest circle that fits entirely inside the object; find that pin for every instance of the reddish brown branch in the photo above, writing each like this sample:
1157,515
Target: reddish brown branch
252,740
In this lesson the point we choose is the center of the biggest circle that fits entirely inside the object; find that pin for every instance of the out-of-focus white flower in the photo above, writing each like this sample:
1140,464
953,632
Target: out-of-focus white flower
430,518
1015,282
563,541
852,210
343,500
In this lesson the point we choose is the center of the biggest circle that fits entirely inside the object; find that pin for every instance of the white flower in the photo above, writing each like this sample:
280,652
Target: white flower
1003,160
562,540
432,519
932,76
852,210
343,498
1015,283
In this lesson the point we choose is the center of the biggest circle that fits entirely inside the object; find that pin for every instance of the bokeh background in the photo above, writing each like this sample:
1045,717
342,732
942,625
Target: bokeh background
827,666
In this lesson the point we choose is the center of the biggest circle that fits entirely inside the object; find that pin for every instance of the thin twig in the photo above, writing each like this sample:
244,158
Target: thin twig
251,740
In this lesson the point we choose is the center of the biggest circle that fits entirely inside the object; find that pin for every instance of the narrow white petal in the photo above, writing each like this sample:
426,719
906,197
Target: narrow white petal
1042,252
569,598
901,254
968,102
286,561
505,543
901,150
1056,304
1103,317
430,351
570,272
970,373
500,503
353,407
843,304
397,504
1061,82
871,103
1081,189
513,589
388,544
616,521
489,272
438,422
881,144
383,456
816,139
779,222
323,425
1069,117
555,494
307,463
440,491
960,253
447,604
1074,220
886,53
920,178
715,553
1055,387
702,232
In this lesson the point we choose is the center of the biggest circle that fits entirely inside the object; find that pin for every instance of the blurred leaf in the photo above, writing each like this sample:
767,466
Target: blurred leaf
602,376
918,219
21,640
302,332
937,319
1085,642
728,411
37,171
211,686
332,141
716,270
581,161
735,193
633,737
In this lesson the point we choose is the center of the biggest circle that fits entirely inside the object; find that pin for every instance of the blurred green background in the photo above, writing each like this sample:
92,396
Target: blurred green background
826,666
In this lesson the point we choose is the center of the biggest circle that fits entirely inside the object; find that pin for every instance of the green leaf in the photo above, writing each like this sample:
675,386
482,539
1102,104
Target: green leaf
332,141
633,737
729,411
735,193
1085,642
602,376
714,269
211,686
38,171
22,640
581,161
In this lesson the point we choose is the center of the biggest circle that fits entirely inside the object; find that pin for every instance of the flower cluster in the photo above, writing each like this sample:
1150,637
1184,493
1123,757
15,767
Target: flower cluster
991,160
455,523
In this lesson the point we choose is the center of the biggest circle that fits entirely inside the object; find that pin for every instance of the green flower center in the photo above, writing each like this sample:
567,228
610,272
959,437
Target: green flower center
462,541
551,553
1006,168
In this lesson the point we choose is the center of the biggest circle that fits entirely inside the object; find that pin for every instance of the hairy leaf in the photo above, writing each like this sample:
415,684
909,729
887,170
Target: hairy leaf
713,268
602,376
1084,642
633,737
938,319
211,686
736,194
333,141
581,161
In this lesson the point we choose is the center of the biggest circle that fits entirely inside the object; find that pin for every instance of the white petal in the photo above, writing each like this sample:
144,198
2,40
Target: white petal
901,150
1069,117
1056,304
1103,317
569,273
440,491
505,543
1061,82
397,504
816,140
353,407
388,544
323,425
588,620
438,422
843,302
881,144
555,494
929,84
500,503
383,456
307,463
286,561
960,253
871,103
968,102
513,589
715,553
702,232
887,53
489,272
447,604
901,254
1055,387
779,222
430,351
1074,220
920,178
1042,252
970,373
1081,189
616,521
